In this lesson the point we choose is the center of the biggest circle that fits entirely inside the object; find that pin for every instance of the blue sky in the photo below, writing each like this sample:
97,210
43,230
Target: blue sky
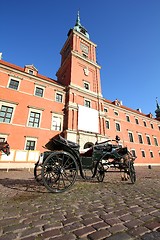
127,34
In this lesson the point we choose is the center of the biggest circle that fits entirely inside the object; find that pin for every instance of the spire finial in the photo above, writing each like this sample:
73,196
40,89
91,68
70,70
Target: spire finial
78,23
158,107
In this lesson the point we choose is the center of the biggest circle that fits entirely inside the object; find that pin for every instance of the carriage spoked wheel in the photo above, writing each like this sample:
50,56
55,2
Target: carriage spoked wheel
37,173
131,171
100,172
59,171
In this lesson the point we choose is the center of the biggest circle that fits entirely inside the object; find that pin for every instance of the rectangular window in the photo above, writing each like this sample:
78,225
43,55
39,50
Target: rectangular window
30,72
86,85
56,123
115,113
144,123
107,124
136,120
152,126
143,153
6,114
34,119
30,145
133,152
39,92
105,110
58,97
155,141
151,154
130,137
127,118
14,84
118,127
140,138
2,139
87,103
148,140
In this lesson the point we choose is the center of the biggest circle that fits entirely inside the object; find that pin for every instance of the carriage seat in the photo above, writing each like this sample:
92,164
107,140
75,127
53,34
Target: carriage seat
68,142
87,152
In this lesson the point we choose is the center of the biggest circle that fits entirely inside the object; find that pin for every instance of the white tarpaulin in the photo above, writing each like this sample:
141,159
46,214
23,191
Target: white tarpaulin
88,119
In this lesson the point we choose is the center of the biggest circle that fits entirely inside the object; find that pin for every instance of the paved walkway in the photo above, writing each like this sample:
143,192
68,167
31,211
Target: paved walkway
112,210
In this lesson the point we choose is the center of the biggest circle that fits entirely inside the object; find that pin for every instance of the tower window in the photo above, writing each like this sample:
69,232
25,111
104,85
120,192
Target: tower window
136,120
118,127
39,92
148,140
155,141
107,124
144,123
140,138
86,85
87,103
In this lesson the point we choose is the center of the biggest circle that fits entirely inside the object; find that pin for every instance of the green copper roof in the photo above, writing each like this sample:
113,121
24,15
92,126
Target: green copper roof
79,28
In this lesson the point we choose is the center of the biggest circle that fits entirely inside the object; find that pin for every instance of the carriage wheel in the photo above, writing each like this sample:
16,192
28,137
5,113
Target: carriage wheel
59,171
37,172
100,172
132,172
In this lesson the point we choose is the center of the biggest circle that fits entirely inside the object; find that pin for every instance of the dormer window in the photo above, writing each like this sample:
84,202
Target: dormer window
30,72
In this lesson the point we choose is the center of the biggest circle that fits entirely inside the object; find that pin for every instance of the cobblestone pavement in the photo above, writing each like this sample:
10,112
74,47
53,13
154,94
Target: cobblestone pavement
112,210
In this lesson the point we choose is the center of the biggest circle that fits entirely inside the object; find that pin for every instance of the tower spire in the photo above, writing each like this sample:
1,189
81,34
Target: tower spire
158,109
79,28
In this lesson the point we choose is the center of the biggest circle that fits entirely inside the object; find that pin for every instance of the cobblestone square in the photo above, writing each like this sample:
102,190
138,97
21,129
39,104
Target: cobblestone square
112,210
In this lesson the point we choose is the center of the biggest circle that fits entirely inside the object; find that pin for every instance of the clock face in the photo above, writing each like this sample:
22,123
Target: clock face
84,48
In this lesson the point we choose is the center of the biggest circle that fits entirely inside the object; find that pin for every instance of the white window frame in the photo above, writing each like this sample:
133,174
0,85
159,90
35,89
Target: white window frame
143,152
16,79
87,101
5,136
106,120
38,86
31,109
105,110
151,152
8,105
119,126
147,136
85,82
132,136
127,116
137,121
60,93
156,141
132,151
139,134
30,139
61,122
116,113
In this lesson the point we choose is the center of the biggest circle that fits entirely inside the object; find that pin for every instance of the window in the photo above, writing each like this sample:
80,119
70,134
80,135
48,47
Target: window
2,139
86,85
127,118
152,126
30,72
143,153
144,123
136,120
159,127
105,110
155,141
115,113
107,124
13,84
140,138
56,123
118,127
34,119
130,137
30,145
133,152
148,140
87,103
6,114
39,91
58,97
151,154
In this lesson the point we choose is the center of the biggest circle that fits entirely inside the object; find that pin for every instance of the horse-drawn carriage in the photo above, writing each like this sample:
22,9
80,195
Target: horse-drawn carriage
57,168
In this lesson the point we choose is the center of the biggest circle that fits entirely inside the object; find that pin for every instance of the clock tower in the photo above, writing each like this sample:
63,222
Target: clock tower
80,73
